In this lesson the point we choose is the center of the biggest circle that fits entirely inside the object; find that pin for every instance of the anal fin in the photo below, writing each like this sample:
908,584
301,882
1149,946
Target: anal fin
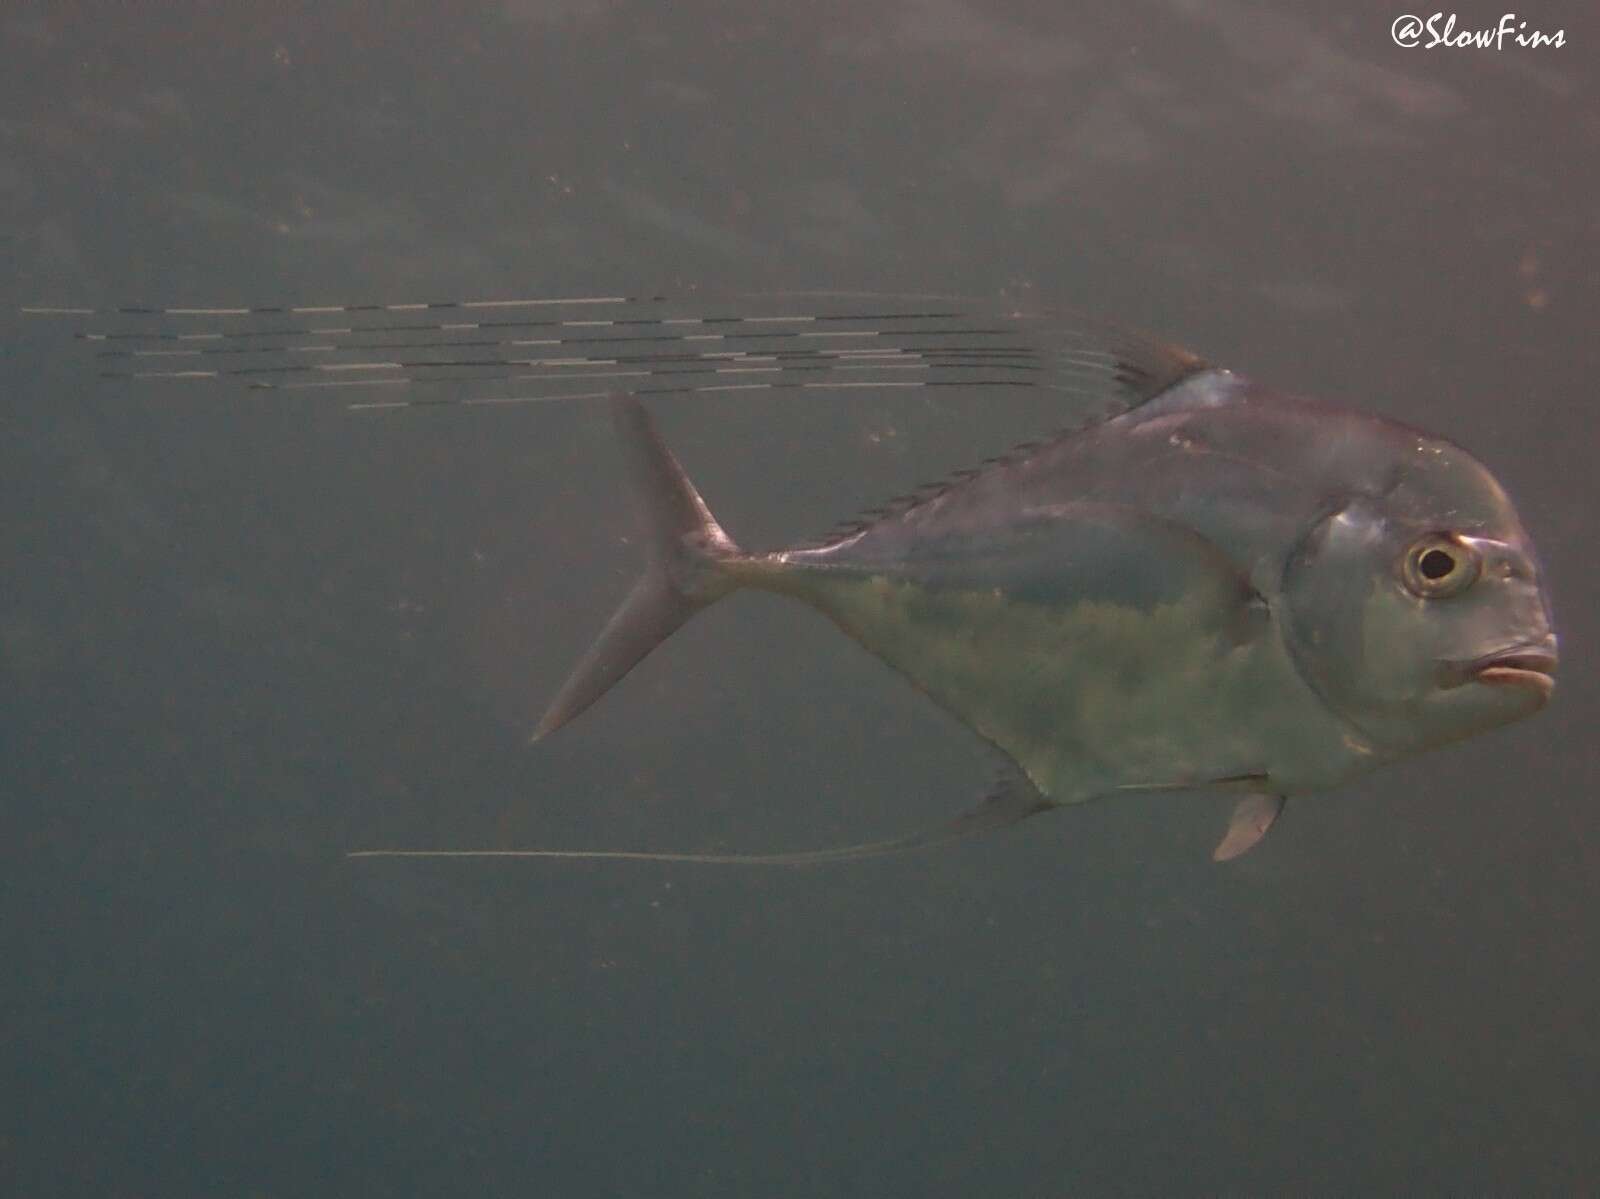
1010,801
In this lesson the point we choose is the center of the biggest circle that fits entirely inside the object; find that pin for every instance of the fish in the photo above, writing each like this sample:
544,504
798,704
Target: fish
1198,584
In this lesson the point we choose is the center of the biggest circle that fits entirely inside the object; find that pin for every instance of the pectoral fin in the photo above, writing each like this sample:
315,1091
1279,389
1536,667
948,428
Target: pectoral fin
1251,819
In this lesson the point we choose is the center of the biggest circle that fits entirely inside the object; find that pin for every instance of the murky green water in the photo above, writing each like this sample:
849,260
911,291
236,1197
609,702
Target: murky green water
242,633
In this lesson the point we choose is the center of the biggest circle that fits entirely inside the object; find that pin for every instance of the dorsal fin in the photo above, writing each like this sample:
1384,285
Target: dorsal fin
496,352
1126,370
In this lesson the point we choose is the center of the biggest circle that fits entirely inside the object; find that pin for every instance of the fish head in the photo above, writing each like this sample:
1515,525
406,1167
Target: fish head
1416,610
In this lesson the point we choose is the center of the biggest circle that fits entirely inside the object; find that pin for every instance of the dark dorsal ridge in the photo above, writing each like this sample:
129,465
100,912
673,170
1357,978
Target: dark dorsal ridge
1142,369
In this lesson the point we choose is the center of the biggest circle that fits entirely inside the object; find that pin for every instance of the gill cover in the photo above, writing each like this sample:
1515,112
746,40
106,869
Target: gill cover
1386,612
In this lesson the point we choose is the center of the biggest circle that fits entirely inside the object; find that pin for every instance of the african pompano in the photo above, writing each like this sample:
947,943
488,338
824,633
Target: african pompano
1223,588
1209,586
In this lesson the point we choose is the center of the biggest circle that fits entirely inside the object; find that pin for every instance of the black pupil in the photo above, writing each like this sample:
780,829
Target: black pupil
1436,564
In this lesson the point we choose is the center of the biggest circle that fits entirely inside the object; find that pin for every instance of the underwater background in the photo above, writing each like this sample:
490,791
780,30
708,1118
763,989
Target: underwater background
244,633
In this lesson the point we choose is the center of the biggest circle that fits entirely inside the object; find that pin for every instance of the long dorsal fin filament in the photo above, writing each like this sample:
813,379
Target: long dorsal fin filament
471,353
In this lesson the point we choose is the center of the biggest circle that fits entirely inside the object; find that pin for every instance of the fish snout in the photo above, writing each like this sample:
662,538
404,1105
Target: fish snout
1532,667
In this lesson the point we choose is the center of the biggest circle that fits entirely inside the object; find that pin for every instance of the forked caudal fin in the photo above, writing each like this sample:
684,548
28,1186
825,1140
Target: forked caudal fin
687,568
684,549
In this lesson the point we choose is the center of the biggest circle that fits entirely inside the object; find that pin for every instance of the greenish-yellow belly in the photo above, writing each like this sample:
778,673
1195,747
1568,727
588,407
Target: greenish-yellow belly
1088,697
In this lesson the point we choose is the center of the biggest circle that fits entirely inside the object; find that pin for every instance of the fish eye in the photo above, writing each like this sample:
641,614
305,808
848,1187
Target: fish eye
1438,565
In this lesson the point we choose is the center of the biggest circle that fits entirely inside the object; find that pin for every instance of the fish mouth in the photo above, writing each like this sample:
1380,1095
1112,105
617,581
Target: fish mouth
1530,667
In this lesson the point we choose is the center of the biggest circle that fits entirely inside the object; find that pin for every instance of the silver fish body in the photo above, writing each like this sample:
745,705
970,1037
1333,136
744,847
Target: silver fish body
1203,584
1149,603
1220,588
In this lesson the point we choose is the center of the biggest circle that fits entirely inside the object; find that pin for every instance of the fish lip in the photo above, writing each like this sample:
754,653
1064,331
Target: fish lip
1529,666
